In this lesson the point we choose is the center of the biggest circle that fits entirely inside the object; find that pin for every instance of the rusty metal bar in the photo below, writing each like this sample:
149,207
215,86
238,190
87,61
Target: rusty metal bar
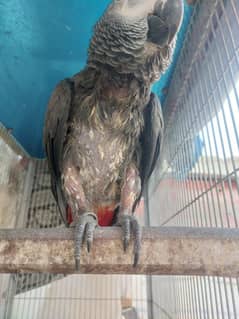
165,250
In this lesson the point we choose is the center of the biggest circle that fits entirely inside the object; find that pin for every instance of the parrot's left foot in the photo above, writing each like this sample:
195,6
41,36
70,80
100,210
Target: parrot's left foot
84,230
130,225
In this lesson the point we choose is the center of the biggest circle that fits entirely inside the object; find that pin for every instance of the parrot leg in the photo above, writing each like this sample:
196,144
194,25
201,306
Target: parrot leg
84,220
125,219
130,224
84,230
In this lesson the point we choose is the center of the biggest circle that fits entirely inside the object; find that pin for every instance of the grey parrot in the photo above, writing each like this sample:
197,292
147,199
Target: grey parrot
103,128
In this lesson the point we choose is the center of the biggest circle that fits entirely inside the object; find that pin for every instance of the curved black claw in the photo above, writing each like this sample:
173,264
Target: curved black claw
84,230
130,224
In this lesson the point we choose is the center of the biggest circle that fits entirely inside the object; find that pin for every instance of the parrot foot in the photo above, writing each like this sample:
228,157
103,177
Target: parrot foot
84,230
130,224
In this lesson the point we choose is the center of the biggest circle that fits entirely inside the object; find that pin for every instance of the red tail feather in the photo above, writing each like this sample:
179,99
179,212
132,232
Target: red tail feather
69,215
105,216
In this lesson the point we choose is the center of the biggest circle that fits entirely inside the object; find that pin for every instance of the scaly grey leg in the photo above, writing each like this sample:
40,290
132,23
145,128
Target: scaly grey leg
84,230
129,193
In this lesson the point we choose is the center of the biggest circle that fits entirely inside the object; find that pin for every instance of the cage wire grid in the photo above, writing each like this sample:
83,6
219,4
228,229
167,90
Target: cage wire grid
199,167
196,184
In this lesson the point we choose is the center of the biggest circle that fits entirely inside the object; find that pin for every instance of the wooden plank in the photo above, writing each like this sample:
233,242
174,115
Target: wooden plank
165,251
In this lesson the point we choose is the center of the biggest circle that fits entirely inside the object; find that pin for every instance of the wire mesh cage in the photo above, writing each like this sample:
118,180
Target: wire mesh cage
195,185
199,168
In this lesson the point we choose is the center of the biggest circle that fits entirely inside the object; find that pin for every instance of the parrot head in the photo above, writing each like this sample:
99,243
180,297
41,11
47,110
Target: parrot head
132,8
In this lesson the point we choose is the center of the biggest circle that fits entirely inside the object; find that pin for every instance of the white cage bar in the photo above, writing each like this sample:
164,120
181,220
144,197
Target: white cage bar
197,182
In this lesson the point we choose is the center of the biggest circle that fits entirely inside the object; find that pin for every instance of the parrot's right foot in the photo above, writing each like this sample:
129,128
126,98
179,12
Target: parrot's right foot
84,230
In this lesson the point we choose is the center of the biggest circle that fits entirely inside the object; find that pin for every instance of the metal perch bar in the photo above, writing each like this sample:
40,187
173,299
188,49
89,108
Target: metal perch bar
165,251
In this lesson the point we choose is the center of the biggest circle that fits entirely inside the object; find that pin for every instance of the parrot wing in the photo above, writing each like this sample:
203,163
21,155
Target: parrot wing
55,132
151,139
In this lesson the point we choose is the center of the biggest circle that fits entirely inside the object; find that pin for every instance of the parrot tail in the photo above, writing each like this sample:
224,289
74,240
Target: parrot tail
105,216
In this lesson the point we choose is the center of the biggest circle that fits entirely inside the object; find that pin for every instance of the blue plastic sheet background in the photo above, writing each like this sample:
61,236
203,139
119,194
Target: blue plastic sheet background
42,42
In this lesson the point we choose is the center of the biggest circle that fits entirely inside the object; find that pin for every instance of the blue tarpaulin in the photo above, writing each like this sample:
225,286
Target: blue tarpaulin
42,42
